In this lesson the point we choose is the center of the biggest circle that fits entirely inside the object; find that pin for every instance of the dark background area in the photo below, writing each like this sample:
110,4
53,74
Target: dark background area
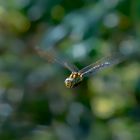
34,102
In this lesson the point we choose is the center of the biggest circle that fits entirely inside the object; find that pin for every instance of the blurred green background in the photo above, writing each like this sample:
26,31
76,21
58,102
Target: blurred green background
34,102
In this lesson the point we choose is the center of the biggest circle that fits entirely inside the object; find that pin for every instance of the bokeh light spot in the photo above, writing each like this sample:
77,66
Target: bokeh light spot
111,20
57,12
103,107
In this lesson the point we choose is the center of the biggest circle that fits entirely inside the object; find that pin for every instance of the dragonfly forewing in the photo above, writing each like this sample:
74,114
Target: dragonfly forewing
51,57
101,64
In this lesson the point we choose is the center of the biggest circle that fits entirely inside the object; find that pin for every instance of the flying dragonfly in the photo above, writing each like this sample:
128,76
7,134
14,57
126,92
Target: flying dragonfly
77,76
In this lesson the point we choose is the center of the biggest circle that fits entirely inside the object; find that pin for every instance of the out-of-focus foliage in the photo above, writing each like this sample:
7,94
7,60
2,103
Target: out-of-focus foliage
35,104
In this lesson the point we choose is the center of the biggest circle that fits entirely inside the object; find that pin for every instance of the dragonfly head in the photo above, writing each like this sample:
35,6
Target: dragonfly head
69,82
73,80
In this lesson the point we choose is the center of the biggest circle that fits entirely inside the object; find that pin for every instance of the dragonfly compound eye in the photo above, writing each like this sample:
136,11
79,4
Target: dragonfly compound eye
69,82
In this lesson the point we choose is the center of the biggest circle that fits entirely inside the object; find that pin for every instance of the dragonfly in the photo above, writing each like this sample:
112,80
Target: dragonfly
77,76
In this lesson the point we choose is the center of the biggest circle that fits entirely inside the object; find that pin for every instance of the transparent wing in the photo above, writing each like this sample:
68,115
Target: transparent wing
101,64
50,57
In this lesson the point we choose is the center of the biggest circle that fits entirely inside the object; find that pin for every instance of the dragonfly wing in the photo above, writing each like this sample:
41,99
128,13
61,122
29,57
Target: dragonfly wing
50,57
101,64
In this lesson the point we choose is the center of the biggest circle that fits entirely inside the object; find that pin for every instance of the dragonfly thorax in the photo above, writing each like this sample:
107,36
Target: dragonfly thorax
73,80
